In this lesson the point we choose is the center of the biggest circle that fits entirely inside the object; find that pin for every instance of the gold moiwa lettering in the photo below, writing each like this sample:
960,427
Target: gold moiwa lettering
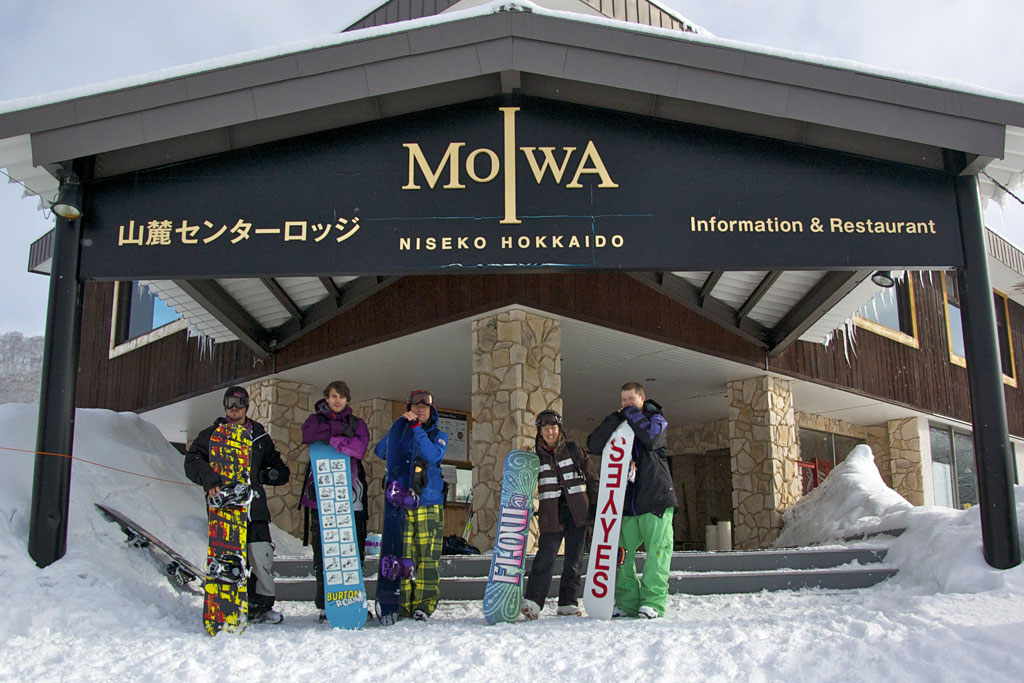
590,163
590,154
557,171
450,159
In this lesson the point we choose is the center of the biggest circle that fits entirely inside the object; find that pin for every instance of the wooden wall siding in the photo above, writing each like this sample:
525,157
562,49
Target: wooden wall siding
401,10
923,378
155,374
610,299
635,11
639,12
170,369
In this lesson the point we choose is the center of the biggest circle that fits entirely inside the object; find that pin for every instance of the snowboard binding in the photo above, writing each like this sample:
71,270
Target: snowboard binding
233,494
393,568
228,568
401,497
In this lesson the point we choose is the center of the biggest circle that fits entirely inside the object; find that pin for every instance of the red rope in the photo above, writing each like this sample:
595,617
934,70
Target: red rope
97,464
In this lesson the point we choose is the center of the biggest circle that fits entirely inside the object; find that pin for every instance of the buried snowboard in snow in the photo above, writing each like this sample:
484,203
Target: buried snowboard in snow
616,460
344,593
180,571
226,603
506,579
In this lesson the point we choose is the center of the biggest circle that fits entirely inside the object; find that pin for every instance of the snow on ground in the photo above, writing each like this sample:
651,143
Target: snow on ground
104,611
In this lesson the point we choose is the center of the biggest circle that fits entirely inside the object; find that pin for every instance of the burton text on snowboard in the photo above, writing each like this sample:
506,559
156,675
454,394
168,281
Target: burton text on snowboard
344,593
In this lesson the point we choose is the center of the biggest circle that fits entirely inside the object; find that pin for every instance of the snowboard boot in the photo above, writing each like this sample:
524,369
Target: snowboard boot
569,611
322,617
616,613
420,615
266,616
647,612
530,609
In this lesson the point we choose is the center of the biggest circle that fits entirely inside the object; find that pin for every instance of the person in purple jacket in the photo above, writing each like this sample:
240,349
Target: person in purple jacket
334,423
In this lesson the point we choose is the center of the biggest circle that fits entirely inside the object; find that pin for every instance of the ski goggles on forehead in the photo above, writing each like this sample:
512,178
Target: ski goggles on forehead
234,402
420,398
547,420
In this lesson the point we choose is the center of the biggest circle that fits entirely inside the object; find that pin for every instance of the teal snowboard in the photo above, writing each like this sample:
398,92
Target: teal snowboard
506,579
344,593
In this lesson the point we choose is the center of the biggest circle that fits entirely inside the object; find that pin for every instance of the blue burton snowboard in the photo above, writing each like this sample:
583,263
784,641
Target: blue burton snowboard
344,593
506,579
399,469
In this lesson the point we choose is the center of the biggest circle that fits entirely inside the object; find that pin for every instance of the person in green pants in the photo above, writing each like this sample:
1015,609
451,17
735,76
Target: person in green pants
648,508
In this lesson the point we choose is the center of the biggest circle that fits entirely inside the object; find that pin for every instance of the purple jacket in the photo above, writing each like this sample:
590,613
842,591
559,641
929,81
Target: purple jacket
347,434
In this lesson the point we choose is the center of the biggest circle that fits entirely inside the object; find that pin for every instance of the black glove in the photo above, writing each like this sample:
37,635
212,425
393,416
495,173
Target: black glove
270,476
350,427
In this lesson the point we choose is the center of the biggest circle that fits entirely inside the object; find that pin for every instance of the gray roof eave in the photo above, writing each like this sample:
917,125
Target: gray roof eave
430,65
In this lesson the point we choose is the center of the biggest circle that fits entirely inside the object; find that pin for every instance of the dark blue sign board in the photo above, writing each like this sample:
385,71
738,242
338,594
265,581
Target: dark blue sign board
518,184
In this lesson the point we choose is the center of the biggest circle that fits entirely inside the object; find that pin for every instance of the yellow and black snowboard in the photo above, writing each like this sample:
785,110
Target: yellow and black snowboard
227,570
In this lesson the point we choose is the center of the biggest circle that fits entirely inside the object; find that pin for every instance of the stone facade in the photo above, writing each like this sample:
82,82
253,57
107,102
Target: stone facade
765,451
282,407
905,462
517,366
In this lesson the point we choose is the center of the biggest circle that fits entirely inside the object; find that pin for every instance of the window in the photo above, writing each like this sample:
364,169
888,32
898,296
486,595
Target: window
891,313
138,312
955,333
953,477
820,452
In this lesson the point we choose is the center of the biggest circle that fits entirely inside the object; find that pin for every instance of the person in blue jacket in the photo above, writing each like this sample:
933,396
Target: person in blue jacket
416,440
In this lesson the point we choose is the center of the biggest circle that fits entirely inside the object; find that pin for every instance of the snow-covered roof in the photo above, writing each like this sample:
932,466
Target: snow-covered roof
500,47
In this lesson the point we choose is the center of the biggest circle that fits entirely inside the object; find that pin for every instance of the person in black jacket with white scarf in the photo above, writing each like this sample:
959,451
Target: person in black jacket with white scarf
566,486
266,468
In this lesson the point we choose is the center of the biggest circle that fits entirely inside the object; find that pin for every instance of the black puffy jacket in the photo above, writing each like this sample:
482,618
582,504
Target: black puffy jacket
265,466
652,491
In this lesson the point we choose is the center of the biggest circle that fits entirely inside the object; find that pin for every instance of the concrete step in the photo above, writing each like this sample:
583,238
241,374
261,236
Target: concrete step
735,560
463,577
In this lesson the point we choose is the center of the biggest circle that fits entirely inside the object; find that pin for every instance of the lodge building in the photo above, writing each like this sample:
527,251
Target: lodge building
519,206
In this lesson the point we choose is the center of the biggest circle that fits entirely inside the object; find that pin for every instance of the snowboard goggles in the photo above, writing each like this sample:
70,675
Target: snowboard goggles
548,417
420,398
234,402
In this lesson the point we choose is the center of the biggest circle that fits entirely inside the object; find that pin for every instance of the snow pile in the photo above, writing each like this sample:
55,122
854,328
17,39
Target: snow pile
940,549
852,501
105,611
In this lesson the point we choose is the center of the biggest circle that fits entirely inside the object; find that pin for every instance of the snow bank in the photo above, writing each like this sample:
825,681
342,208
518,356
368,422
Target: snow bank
105,612
940,549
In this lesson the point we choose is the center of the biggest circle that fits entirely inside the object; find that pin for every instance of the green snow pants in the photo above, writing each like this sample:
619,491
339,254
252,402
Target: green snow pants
657,537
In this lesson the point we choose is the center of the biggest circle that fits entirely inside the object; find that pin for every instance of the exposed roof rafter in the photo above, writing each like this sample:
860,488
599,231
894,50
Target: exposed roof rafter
342,299
829,291
681,291
212,297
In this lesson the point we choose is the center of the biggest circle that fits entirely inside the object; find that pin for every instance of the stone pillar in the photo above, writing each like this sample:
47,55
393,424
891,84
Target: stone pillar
282,407
765,450
377,413
907,438
517,366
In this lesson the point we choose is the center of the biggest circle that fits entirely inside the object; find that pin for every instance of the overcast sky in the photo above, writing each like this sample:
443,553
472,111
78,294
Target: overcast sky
59,44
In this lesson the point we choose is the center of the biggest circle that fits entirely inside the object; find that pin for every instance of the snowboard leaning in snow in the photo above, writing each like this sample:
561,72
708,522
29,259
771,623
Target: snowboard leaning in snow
180,571
506,579
616,459
227,571
344,593
389,583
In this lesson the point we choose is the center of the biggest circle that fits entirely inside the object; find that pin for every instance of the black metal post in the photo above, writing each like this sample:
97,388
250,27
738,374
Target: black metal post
992,454
51,486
